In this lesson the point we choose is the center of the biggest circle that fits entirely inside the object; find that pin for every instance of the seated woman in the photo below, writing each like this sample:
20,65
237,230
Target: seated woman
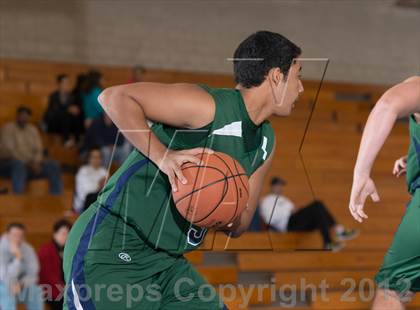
63,114
279,213
89,179
51,259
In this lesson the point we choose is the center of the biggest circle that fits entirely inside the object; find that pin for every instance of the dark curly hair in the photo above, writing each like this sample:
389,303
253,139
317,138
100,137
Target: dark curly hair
60,224
260,52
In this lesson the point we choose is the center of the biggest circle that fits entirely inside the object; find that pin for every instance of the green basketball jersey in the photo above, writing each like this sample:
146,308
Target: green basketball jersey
400,270
145,201
413,159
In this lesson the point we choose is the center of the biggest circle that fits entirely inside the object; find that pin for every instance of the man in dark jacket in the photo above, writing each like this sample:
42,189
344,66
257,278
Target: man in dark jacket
63,115
102,134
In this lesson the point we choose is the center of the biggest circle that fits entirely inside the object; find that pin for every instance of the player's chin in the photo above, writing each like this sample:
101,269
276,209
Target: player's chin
283,113
289,110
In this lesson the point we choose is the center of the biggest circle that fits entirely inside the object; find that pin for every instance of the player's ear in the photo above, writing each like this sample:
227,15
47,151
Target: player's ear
276,76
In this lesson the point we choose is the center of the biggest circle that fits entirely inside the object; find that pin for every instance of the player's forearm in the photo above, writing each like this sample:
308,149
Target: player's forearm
242,222
377,129
128,115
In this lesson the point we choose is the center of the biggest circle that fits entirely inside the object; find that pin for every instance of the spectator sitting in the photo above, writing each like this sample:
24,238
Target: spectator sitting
137,74
22,152
51,260
19,269
91,107
285,217
78,90
89,179
63,115
103,133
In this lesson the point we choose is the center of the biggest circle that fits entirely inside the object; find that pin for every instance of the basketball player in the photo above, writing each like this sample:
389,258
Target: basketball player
133,237
399,277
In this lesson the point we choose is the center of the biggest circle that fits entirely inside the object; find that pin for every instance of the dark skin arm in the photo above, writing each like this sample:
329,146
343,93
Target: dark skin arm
256,181
179,105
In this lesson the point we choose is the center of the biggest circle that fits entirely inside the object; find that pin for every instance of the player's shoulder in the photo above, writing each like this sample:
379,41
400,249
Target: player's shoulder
221,94
229,102
412,82
412,79
211,89
405,92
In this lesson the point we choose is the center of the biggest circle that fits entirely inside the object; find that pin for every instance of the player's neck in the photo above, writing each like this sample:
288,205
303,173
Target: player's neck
255,103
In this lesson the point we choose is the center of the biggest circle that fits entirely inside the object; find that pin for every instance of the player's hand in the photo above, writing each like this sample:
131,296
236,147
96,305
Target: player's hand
363,186
172,162
400,166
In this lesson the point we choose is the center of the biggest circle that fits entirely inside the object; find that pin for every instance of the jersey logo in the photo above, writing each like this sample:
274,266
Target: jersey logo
264,147
232,129
125,257
195,236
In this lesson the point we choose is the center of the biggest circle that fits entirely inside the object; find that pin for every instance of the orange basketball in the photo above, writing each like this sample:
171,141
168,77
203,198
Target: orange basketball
216,191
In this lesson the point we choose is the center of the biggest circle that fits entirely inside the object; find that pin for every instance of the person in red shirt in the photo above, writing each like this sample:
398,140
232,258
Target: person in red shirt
51,276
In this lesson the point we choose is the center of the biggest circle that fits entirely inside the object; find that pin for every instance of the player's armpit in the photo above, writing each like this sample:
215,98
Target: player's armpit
256,182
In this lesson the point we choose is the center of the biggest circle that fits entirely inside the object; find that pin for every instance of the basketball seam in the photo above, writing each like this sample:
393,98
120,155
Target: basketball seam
197,189
225,190
236,167
195,182
207,185
236,187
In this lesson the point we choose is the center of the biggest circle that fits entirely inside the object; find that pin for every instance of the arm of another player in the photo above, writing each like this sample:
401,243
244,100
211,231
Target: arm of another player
178,105
256,181
399,101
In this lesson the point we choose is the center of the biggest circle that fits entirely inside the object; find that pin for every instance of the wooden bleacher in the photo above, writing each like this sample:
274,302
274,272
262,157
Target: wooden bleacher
328,155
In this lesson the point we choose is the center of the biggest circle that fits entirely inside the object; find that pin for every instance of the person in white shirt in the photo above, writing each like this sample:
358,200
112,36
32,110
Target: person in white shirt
89,179
280,214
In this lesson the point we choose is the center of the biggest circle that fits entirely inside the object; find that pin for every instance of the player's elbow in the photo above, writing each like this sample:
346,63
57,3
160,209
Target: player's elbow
235,233
104,97
387,105
108,96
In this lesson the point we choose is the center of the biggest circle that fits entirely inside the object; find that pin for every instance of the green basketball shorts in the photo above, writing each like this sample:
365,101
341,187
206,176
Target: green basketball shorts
400,270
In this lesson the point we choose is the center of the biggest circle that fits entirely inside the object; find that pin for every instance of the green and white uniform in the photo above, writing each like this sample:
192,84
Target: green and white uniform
400,270
133,234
